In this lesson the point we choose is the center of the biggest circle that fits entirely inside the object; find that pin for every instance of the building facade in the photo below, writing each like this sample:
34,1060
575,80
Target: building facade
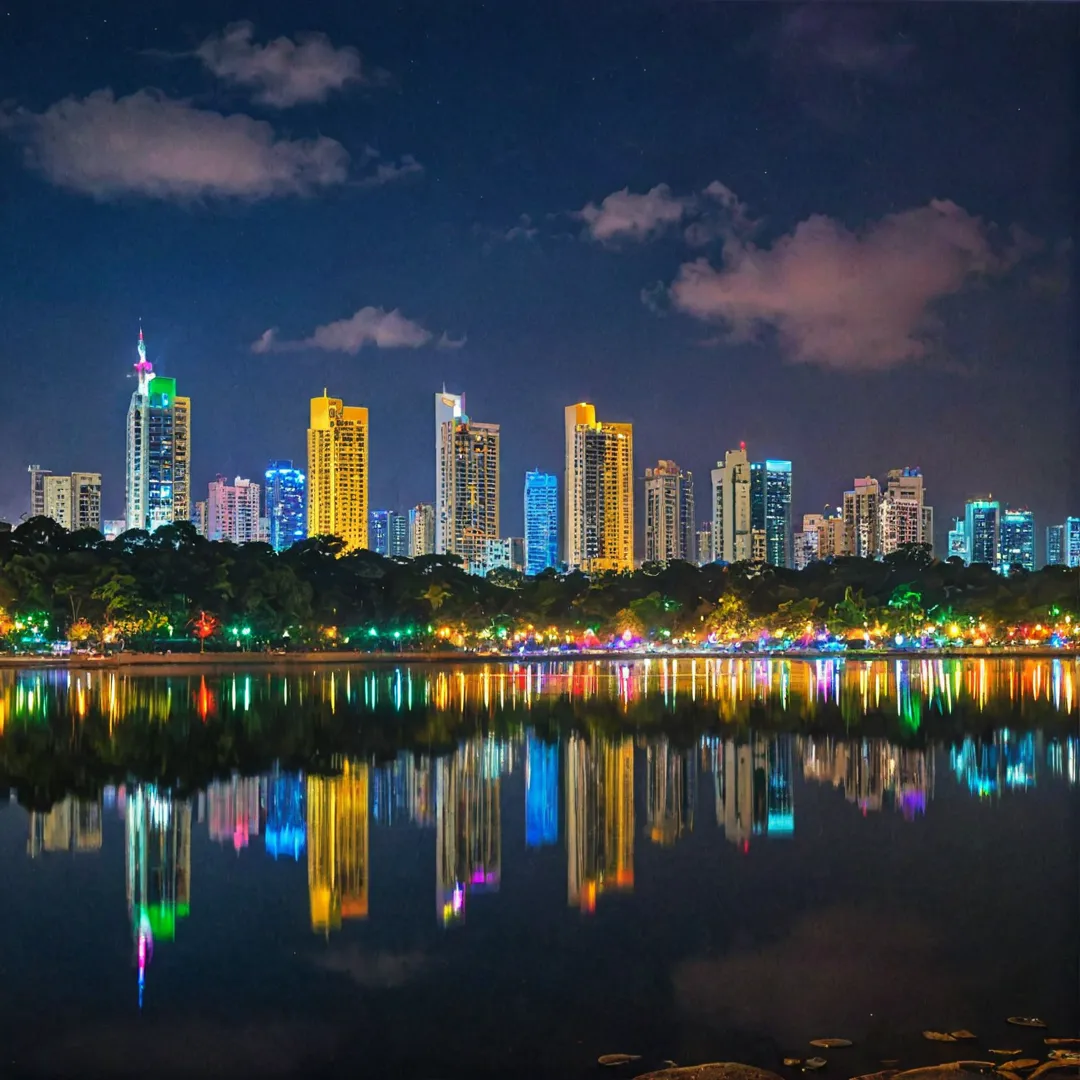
770,511
37,490
338,471
421,530
731,524
670,527
285,505
72,501
1055,545
958,542
233,511
447,407
981,525
1016,540
379,531
157,487
905,517
397,541
1072,542
704,550
598,522
862,519
470,478
541,522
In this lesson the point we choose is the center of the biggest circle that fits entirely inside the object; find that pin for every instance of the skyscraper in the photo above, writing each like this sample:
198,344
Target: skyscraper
470,483
72,501
770,509
981,530
232,511
731,528
447,407
422,529
1072,542
1055,545
541,522
379,531
158,476
397,540
862,519
958,541
338,471
599,491
905,517
1016,542
704,550
669,513
37,490
286,504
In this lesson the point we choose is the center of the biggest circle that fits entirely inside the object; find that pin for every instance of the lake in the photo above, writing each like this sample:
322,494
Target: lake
509,870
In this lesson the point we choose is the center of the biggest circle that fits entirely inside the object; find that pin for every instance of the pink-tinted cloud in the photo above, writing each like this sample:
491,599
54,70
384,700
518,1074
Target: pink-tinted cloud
624,215
388,172
369,326
283,72
147,144
848,299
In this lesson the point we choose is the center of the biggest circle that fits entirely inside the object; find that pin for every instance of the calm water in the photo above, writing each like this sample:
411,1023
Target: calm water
508,871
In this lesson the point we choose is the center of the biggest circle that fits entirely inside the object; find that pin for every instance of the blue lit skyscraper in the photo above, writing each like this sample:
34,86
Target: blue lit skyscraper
286,504
981,525
285,832
397,542
541,793
1072,542
379,531
770,511
1055,545
1017,540
541,522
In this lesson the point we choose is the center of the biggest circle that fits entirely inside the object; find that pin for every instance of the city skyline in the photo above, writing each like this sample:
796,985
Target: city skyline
584,242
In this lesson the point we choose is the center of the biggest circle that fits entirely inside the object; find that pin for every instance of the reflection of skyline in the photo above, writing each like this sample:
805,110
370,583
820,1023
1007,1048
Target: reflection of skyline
750,778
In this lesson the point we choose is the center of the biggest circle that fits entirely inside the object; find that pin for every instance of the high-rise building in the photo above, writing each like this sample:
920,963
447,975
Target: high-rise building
806,542
669,513
37,490
981,517
337,842
731,523
232,511
1017,540
770,509
447,407
158,476
1055,545
506,553
1072,542
598,522
905,517
470,483
397,541
379,531
422,530
73,501
200,517
862,519
541,522
704,549
112,528
958,541
338,471
541,792
285,505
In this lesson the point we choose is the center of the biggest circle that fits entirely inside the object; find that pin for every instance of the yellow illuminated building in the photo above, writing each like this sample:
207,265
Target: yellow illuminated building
71,825
338,471
337,838
599,499
599,818
469,498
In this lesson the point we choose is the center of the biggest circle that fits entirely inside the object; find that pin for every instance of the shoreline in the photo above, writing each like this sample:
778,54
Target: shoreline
187,661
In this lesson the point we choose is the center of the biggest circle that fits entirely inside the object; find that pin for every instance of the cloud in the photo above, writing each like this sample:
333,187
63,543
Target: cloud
447,342
283,72
375,970
147,144
842,37
722,216
523,230
859,300
624,215
387,172
370,325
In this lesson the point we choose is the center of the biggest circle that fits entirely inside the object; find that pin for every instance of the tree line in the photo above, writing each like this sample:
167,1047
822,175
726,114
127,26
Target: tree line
142,589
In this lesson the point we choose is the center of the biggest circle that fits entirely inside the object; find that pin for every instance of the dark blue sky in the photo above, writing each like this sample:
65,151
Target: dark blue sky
850,343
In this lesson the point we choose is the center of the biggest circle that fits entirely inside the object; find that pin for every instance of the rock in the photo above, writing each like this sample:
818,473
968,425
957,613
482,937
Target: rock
830,1044
791,1062
885,1074
1061,1042
815,1063
939,1036
713,1070
1005,1053
1057,1070
1021,1064
1027,1021
1070,1056
963,1033
617,1059
954,1070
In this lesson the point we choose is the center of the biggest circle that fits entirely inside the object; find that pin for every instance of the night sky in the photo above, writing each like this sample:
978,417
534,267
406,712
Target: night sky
840,234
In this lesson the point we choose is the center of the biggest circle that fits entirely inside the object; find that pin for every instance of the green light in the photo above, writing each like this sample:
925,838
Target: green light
373,632
397,634
246,631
